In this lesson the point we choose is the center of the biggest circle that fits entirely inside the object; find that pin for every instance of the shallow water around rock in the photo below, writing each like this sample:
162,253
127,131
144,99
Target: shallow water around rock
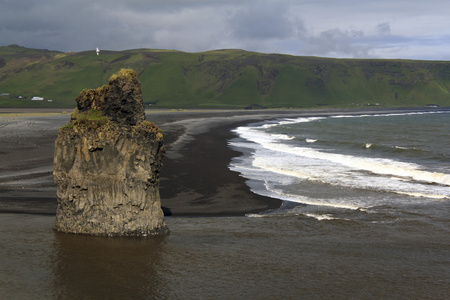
227,258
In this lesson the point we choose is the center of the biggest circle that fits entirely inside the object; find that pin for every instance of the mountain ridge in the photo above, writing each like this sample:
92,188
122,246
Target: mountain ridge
223,78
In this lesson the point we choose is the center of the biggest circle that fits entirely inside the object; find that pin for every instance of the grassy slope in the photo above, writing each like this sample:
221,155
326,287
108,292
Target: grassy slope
223,79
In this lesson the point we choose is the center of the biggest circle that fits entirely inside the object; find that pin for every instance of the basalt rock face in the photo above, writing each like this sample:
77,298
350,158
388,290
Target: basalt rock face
107,162
121,100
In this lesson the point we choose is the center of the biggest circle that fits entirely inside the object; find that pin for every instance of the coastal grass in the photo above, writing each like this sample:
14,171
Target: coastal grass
92,119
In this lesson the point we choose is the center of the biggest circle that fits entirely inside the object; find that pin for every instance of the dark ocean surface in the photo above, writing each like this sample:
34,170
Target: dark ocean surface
366,217
289,257
377,168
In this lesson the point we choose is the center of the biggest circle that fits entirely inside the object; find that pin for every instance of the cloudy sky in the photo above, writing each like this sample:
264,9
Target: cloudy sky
410,29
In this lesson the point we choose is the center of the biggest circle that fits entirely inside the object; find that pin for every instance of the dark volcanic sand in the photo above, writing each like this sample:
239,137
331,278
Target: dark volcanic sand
195,179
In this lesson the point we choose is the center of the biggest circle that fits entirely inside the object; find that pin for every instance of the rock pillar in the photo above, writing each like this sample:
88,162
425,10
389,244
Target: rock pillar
107,162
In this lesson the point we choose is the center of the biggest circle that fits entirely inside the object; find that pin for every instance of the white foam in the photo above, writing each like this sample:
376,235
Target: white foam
256,215
321,217
375,165
292,121
401,179
310,201
423,195
283,137
293,212
262,163
278,163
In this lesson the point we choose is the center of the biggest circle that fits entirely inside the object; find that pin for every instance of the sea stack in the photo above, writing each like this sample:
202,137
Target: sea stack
107,162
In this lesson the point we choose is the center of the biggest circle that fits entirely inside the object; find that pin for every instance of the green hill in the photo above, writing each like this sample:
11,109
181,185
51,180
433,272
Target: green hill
222,79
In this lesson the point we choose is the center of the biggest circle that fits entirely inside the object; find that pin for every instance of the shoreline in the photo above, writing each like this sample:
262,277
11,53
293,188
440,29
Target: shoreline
195,177
204,183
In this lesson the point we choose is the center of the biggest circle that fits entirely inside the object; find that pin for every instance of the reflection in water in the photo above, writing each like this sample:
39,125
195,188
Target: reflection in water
89,267
274,257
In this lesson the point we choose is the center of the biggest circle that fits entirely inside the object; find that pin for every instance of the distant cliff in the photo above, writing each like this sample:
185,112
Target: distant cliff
107,162
224,79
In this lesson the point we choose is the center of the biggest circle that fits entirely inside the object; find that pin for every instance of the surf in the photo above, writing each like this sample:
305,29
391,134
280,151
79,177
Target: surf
279,154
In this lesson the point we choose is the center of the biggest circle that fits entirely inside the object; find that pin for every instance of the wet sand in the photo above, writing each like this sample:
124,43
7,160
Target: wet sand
195,179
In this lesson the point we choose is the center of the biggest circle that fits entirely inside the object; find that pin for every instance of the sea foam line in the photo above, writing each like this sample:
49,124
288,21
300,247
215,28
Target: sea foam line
376,165
316,202
289,121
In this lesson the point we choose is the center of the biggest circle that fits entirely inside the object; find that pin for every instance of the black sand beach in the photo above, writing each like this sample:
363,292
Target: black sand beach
195,179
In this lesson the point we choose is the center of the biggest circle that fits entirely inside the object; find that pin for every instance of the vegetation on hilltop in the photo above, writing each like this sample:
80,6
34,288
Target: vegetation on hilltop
223,79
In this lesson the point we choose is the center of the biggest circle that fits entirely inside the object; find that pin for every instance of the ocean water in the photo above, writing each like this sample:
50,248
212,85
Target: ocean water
366,216
366,168
284,257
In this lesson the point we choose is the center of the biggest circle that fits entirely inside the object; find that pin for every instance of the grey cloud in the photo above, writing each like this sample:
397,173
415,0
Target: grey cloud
337,42
299,27
261,22
384,28
50,25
